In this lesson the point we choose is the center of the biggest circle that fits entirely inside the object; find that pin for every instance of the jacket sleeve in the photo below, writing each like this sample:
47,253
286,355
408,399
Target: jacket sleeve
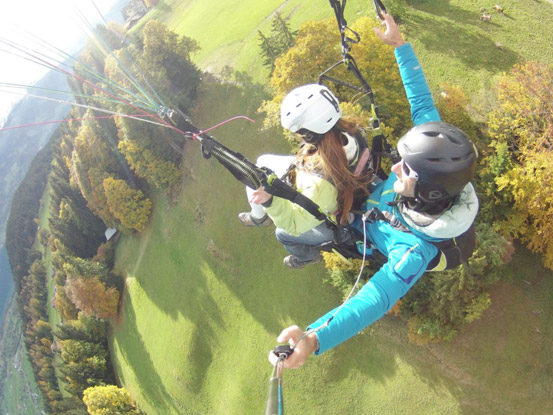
416,88
294,219
406,264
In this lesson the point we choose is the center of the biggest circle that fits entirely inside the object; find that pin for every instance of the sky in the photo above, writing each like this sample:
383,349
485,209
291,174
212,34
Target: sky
54,21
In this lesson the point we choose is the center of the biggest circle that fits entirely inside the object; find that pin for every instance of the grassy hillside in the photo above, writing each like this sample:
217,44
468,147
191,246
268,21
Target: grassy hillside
206,297
451,41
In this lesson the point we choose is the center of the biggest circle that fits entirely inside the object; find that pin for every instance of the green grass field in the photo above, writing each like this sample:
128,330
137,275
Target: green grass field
453,44
53,316
205,297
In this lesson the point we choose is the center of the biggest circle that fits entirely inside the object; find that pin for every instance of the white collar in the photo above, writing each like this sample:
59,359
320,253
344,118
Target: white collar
454,221
351,147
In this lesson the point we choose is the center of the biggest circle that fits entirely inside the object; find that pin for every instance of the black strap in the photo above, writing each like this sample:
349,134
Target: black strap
279,188
379,8
238,165
247,172
346,41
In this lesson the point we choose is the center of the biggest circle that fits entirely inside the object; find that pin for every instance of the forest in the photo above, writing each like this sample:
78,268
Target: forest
96,182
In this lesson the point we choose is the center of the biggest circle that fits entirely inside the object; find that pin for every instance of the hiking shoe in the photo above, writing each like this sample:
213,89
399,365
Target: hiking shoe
292,262
248,220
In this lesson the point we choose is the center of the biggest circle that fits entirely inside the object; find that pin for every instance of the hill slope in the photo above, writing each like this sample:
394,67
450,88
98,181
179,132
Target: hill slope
206,297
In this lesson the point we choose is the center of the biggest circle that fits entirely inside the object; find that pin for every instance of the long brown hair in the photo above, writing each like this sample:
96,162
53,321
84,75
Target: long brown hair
328,158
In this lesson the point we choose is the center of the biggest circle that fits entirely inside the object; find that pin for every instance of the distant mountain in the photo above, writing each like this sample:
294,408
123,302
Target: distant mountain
19,146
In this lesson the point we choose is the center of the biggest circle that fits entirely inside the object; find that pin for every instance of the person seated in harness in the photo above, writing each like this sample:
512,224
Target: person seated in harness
427,198
330,169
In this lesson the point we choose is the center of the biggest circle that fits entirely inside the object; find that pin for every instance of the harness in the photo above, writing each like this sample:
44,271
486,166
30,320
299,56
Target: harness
244,170
452,252
347,59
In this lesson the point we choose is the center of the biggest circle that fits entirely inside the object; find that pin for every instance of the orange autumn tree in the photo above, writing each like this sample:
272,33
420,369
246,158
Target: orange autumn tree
92,297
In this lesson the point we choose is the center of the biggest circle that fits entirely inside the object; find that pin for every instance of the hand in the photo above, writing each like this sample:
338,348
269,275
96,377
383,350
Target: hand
392,36
302,350
260,196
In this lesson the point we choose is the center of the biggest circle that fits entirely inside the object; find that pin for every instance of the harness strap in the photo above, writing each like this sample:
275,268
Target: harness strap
379,8
238,165
277,187
347,59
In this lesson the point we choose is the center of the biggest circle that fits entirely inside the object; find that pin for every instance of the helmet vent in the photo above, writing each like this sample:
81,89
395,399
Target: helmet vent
455,140
462,158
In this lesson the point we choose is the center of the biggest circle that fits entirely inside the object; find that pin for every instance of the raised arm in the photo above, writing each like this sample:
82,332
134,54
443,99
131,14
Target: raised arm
414,82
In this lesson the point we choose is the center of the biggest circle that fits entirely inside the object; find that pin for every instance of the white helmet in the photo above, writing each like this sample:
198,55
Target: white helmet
310,107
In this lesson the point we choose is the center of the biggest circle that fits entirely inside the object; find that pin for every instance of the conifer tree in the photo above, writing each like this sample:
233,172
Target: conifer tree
279,41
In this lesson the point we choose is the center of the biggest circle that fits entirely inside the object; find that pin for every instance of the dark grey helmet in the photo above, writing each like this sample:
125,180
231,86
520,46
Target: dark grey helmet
443,157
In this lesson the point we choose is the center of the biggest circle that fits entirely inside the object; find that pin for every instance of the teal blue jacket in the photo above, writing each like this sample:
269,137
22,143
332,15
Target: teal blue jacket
408,253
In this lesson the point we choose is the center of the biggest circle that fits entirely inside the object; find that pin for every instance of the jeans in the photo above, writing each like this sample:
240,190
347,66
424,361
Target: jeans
302,246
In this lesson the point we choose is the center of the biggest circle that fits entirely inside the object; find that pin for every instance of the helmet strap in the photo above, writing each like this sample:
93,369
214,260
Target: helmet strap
418,205
310,136
430,193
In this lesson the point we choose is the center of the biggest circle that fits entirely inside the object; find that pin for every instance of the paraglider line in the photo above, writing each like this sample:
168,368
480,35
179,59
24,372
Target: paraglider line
199,133
135,116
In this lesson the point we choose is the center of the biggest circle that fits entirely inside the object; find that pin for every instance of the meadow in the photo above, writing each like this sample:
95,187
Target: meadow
206,297
453,44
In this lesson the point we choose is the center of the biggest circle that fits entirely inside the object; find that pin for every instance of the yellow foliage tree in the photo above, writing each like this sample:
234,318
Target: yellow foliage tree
92,160
109,400
130,206
161,173
318,47
452,105
523,123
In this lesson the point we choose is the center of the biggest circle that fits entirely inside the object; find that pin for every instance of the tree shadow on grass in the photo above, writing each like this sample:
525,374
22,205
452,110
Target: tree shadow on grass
444,9
138,358
500,364
180,291
253,271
